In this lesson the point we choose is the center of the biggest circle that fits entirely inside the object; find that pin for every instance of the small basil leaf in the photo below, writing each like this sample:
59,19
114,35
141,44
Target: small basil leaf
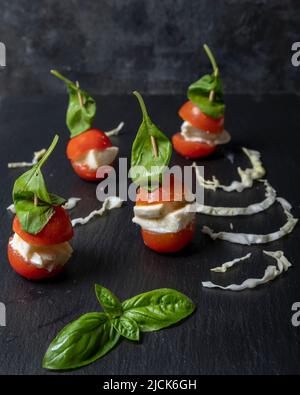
127,328
110,303
157,309
30,188
79,117
81,342
142,155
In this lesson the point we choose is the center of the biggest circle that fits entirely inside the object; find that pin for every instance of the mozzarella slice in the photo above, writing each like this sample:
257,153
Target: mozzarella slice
270,274
47,257
190,133
173,222
109,204
95,159
247,176
227,265
248,238
270,198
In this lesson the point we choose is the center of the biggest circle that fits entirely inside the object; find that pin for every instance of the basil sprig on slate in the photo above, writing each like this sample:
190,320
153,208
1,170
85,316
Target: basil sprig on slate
93,335
34,205
151,152
207,93
81,109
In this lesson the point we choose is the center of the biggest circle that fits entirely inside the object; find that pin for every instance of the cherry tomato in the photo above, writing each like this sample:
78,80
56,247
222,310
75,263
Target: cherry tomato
169,242
87,174
191,113
91,139
191,149
26,269
159,195
58,230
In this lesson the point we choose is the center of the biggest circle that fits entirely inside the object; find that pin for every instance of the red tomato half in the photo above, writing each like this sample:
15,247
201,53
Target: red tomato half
26,269
58,230
191,113
169,242
86,141
191,149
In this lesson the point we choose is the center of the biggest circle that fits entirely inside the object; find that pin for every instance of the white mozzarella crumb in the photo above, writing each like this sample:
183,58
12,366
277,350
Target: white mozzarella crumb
231,225
11,208
109,203
270,198
36,157
223,268
71,203
247,176
115,131
270,274
248,238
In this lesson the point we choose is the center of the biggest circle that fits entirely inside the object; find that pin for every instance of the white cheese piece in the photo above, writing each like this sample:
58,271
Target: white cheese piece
270,198
248,238
173,222
95,159
36,157
11,208
47,257
247,176
270,274
190,133
71,203
115,131
109,203
149,211
223,268
231,225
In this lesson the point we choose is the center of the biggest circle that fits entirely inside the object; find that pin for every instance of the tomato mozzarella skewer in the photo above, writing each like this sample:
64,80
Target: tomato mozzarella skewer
88,148
39,247
203,115
164,208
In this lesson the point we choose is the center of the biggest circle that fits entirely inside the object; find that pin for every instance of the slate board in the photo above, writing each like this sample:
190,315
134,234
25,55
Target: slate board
230,333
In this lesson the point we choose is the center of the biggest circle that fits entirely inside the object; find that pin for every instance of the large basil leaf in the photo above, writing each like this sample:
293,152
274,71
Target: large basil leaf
157,309
79,116
126,327
29,189
81,342
199,91
110,303
146,168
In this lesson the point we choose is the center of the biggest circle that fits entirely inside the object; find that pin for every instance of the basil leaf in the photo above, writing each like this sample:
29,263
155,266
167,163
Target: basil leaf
127,328
110,303
81,342
142,155
199,91
29,187
157,309
79,117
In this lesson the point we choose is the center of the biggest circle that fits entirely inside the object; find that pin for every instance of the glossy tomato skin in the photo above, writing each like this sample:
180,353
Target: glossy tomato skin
191,113
86,141
58,230
169,242
191,149
26,269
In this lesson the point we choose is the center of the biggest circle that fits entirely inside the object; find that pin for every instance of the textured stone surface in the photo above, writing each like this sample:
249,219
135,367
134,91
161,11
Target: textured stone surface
115,46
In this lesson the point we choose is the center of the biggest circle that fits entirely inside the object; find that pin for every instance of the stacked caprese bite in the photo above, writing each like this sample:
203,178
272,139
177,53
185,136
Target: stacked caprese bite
203,115
164,207
39,247
88,148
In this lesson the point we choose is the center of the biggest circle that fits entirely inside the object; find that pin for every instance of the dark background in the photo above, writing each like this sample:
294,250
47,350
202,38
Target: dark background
116,46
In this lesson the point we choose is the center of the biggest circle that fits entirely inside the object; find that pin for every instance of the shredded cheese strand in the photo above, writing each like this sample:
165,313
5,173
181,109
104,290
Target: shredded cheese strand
115,131
227,265
36,157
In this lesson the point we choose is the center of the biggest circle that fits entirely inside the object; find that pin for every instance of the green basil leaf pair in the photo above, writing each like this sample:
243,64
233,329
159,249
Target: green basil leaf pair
199,91
94,334
34,205
81,109
147,167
